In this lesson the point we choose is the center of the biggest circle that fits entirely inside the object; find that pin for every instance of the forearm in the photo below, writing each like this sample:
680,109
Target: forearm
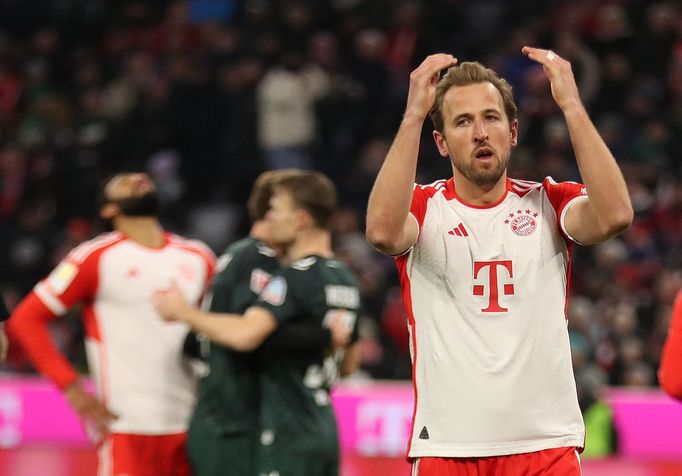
391,196
297,338
224,329
608,194
29,325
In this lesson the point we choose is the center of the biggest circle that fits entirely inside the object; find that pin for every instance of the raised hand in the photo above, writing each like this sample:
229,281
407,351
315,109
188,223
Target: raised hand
423,81
170,303
96,417
560,74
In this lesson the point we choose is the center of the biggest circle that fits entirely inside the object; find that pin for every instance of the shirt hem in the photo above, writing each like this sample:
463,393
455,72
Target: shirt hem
501,450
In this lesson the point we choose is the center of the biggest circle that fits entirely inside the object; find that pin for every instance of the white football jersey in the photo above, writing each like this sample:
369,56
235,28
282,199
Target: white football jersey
485,291
135,357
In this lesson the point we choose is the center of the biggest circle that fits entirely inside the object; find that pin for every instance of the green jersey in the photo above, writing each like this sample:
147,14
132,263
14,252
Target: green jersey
228,396
296,414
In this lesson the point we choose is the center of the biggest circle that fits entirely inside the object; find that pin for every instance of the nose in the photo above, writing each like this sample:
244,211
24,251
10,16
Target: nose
480,132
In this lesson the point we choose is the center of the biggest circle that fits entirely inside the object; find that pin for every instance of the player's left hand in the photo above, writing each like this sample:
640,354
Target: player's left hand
560,74
170,303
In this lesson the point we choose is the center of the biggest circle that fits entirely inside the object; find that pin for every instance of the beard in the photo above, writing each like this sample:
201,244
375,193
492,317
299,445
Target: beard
486,177
146,205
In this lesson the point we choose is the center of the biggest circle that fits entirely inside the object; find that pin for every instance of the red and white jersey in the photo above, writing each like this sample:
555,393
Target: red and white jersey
485,292
135,357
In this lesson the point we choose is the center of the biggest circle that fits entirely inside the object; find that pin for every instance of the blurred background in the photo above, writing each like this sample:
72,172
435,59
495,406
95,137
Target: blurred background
206,94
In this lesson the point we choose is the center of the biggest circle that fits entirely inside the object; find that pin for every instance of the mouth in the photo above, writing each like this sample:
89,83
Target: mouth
484,153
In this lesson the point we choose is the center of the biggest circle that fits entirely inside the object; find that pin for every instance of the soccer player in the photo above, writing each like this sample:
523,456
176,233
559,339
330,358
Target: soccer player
223,434
299,432
670,371
484,264
145,390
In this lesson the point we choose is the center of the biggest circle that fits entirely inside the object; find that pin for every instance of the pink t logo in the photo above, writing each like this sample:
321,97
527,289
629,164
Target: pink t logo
479,289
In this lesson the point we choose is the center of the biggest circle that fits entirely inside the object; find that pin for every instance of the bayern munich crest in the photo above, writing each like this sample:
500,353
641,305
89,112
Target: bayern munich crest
523,222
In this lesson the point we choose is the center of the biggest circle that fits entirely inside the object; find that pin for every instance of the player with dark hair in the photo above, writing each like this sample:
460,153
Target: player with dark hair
145,389
484,262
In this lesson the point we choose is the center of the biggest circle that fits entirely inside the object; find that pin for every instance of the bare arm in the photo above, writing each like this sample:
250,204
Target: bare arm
608,211
241,333
389,227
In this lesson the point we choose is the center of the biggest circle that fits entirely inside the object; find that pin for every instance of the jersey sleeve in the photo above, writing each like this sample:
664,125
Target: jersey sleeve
29,326
72,281
562,196
670,371
295,338
418,205
278,298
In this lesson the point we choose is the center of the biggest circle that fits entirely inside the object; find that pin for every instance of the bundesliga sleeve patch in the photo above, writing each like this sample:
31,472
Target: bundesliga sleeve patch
275,292
61,277
259,279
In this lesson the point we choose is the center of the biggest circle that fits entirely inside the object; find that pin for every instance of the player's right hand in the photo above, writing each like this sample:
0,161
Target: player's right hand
423,81
93,412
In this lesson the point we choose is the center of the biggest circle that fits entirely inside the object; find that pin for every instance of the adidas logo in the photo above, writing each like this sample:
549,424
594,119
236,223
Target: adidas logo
424,435
459,230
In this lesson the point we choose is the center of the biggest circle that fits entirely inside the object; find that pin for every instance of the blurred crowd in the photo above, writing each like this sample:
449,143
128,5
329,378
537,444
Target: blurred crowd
206,94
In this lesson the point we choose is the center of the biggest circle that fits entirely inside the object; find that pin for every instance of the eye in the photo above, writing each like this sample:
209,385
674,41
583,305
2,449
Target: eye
491,117
462,122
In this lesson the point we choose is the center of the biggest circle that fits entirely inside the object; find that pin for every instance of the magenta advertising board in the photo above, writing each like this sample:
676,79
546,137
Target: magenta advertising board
374,418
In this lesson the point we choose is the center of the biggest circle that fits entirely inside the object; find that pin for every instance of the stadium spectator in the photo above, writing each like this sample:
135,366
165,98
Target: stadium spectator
204,113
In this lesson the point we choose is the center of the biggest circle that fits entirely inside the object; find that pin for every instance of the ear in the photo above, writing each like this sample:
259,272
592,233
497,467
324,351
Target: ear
441,143
514,132
303,218
109,211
